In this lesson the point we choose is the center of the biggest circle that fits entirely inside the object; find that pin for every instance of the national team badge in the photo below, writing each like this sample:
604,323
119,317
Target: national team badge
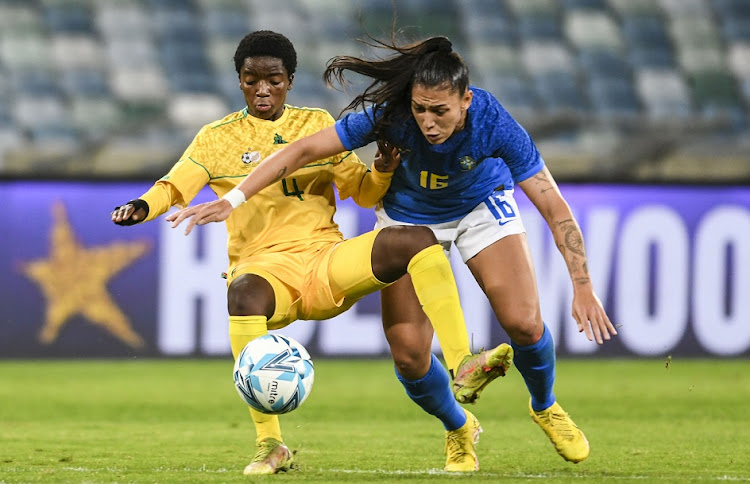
467,163
250,157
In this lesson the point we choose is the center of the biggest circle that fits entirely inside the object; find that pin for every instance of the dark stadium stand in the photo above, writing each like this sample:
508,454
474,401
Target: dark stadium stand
118,88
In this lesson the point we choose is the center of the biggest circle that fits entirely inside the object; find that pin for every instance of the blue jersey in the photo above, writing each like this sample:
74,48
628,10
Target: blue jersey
444,182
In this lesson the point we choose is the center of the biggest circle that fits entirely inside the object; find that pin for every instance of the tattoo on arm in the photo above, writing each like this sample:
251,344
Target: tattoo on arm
572,236
279,175
544,183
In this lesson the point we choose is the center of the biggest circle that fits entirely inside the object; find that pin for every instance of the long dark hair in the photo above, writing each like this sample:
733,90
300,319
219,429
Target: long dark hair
430,63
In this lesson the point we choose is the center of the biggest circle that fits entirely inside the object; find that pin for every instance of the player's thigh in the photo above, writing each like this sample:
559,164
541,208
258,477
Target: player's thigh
505,272
349,268
285,298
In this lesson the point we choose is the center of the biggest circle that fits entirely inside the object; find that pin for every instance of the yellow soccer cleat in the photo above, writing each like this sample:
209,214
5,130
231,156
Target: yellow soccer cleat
272,457
459,446
567,438
478,371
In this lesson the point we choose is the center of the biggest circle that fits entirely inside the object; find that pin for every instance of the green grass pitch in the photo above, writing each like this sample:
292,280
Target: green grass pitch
149,421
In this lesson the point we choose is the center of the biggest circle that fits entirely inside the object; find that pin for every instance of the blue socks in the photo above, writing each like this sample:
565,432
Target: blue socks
536,363
432,392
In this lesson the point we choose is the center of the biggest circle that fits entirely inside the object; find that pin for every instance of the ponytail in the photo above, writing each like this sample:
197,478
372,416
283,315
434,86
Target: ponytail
430,63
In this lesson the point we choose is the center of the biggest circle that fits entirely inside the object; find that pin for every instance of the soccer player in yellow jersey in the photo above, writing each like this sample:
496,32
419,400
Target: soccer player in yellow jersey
288,260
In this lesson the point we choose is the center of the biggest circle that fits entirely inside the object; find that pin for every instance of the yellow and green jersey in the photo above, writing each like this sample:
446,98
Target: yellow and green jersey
288,214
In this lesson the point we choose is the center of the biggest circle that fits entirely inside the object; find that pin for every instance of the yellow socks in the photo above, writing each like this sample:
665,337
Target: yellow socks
242,330
436,289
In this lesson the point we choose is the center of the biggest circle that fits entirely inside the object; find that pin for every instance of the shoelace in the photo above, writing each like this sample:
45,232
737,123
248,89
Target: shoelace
453,446
265,449
562,425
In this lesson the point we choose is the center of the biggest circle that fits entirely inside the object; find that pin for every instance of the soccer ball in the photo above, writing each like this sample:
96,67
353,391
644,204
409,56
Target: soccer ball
273,374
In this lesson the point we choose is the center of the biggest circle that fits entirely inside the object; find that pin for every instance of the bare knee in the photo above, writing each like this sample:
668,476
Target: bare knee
524,331
396,246
410,364
251,295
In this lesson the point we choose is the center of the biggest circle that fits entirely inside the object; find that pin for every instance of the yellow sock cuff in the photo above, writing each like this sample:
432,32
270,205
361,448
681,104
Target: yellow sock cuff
243,329
421,261
248,325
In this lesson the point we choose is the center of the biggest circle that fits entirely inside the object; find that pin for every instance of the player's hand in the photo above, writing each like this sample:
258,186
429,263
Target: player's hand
387,158
591,317
131,213
215,211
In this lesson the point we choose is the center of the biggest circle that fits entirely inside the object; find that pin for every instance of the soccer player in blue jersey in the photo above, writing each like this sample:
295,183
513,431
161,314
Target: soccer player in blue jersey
461,156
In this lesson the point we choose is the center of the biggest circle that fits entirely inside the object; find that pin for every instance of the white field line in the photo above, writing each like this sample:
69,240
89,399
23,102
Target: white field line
385,473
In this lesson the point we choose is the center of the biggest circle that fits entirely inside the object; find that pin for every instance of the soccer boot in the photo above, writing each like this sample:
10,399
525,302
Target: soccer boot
567,438
478,371
460,446
272,457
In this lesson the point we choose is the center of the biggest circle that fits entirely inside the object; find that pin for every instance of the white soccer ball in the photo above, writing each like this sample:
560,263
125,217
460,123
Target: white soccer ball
273,374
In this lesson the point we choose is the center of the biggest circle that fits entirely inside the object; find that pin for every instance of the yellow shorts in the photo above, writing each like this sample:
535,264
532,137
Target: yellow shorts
316,282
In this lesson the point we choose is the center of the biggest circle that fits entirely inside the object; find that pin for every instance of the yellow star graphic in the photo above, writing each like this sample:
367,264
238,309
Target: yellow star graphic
74,280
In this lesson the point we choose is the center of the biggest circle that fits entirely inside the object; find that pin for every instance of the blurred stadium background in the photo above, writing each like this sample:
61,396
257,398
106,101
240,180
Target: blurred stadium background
641,108
637,90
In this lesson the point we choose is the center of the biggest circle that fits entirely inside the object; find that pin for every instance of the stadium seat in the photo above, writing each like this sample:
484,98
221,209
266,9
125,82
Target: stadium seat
702,59
26,108
491,29
69,18
735,29
685,8
28,50
191,111
715,91
490,59
695,32
605,64
95,116
613,98
587,29
584,4
123,21
644,57
136,85
732,8
664,94
628,8
515,92
20,19
226,23
544,57
35,82
138,53
560,91
76,52
523,8
539,27
739,59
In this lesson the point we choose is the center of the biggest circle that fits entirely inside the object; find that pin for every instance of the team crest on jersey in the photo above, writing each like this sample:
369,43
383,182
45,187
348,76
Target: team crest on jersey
467,163
250,157
278,140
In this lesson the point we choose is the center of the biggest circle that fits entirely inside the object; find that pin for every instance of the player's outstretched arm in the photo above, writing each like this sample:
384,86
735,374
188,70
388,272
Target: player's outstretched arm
279,165
588,310
130,213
